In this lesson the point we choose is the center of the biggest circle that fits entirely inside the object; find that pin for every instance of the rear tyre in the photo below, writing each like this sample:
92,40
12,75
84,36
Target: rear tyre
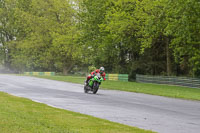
85,89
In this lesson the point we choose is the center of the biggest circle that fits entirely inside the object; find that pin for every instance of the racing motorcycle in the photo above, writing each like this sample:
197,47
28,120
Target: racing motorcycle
93,84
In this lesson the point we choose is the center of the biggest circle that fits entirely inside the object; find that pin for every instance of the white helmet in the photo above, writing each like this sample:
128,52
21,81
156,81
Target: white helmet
102,69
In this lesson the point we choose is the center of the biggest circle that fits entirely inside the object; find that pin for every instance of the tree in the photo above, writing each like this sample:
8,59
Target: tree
152,16
185,28
7,30
119,35
125,36
44,29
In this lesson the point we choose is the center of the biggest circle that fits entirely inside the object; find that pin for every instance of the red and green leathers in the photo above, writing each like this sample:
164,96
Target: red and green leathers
103,74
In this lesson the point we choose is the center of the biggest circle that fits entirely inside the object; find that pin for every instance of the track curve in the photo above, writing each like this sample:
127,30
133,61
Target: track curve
156,113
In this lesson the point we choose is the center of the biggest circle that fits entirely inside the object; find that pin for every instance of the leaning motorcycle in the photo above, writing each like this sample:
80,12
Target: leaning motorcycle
93,84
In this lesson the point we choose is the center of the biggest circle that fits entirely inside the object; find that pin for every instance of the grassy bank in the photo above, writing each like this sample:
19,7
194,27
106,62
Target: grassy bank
154,89
19,115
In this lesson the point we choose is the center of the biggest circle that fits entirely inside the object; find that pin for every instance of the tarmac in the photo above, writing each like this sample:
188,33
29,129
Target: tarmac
156,113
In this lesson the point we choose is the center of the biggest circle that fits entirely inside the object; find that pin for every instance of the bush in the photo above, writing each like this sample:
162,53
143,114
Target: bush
91,69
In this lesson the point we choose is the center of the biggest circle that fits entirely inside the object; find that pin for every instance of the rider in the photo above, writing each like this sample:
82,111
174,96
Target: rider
101,70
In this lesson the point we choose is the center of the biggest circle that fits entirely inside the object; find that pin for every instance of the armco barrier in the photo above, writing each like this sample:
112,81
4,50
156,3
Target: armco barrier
123,77
113,77
49,73
117,77
171,80
40,73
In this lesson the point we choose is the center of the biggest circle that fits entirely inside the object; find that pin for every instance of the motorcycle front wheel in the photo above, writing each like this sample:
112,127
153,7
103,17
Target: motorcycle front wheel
95,87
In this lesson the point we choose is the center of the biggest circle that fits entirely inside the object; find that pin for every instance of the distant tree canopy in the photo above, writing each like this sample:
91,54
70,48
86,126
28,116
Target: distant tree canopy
158,37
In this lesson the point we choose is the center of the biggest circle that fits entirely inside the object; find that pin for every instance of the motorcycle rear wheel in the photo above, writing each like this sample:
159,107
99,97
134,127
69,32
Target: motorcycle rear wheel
85,89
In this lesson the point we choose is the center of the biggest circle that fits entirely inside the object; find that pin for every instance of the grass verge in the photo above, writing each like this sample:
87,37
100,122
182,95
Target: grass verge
20,115
153,89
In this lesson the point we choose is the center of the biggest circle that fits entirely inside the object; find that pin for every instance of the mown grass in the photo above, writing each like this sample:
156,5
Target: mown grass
153,89
20,115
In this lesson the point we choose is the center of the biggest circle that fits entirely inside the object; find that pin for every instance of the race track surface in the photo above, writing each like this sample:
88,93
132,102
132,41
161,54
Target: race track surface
160,114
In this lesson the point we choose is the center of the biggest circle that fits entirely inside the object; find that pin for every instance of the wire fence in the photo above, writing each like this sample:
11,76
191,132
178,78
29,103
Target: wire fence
171,80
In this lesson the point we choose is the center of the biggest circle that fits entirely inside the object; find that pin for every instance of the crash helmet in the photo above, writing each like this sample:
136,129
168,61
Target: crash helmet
101,69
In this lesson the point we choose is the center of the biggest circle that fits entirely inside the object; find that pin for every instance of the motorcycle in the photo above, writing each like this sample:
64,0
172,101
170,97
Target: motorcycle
93,84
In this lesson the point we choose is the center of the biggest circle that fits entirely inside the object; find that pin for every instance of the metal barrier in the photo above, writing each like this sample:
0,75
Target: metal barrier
171,80
117,77
40,73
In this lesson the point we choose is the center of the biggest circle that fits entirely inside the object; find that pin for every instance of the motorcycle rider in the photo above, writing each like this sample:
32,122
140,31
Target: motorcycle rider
101,70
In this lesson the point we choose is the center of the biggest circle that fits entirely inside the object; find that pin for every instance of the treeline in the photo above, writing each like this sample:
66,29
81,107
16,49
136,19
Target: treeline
157,37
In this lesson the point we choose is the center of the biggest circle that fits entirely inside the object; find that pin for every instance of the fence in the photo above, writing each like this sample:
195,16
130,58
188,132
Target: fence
117,77
40,73
181,81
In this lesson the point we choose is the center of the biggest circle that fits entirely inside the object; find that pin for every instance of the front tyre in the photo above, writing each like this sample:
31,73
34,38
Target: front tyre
95,87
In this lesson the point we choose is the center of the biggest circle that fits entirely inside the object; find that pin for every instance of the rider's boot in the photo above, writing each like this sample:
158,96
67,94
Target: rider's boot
86,82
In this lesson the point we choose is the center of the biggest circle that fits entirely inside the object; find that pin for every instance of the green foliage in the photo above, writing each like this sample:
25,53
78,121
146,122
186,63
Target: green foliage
125,36
185,28
119,36
46,35
91,69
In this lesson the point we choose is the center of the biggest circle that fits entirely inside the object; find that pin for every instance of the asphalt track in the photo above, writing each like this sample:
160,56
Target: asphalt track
160,114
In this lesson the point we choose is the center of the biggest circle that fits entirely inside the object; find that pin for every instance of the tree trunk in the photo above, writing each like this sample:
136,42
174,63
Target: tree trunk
67,68
168,59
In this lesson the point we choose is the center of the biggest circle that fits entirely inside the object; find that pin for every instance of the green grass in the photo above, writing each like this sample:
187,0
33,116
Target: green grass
20,115
153,89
